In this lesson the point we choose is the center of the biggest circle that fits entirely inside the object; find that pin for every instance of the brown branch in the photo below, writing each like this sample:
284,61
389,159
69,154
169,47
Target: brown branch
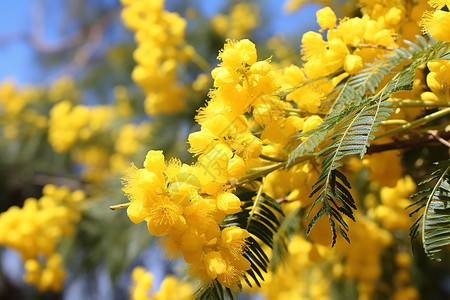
38,31
424,140
434,133
282,200
93,42
383,47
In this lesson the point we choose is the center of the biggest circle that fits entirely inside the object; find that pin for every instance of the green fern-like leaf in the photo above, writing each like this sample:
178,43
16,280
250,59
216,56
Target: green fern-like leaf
213,291
260,216
331,189
332,192
433,223
368,79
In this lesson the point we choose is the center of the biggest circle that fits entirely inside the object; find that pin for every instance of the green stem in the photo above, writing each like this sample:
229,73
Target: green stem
416,123
300,112
398,102
254,204
262,171
393,122
271,158
293,110
119,206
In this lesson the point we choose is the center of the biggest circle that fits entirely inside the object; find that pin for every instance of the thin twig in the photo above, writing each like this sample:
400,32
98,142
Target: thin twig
434,133
119,206
417,142
383,47
282,200
416,123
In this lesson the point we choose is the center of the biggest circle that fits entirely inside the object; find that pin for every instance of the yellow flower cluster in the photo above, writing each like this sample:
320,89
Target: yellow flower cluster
305,277
243,18
18,118
368,241
36,229
160,48
402,277
312,266
185,204
345,46
385,167
63,88
293,184
171,288
69,124
308,97
46,277
175,201
438,81
391,212
13,101
226,146
436,22
401,16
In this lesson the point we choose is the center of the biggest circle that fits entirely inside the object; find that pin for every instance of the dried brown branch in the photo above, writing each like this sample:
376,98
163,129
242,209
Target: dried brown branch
434,133
383,47
93,42
429,138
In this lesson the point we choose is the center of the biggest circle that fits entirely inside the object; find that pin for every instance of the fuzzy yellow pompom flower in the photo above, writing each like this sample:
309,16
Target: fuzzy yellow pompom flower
215,264
437,22
229,203
312,122
353,63
154,162
326,18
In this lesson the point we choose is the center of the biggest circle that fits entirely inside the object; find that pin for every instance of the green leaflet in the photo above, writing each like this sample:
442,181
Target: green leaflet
212,291
331,189
433,223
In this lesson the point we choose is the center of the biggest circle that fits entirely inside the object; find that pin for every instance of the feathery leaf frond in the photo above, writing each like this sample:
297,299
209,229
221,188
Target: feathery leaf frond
350,138
213,291
433,223
260,216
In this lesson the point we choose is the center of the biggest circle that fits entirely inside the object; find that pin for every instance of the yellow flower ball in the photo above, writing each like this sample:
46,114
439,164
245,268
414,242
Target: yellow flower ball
229,203
326,17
